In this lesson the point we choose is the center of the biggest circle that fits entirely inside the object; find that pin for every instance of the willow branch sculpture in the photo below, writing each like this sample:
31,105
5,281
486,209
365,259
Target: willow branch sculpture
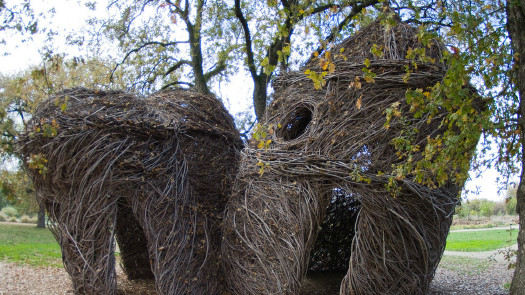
338,140
201,213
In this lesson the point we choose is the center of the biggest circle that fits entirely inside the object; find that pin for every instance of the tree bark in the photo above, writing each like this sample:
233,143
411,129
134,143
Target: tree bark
515,26
41,222
260,94
196,60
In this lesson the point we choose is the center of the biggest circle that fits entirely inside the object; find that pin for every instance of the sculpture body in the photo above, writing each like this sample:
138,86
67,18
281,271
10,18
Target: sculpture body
155,172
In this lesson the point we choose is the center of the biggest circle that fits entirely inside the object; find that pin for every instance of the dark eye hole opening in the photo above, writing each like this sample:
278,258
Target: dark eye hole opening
296,123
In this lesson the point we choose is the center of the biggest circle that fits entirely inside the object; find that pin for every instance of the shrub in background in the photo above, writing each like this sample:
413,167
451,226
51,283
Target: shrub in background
510,206
28,219
9,211
486,208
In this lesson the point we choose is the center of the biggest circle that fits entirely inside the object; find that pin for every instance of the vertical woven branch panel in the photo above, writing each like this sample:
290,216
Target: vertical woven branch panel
156,171
337,138
332,249
272,226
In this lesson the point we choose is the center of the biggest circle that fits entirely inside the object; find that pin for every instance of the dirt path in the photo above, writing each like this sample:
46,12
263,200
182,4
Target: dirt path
497,255
22,280
513,226
25,280
471,282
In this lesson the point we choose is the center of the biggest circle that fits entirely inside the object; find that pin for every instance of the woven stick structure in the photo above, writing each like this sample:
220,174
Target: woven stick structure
334,144
158,173
155,173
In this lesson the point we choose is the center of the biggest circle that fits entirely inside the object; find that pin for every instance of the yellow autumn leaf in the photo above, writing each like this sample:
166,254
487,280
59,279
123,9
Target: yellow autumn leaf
397,113
357,82
369,79
331,67
359,102
324,65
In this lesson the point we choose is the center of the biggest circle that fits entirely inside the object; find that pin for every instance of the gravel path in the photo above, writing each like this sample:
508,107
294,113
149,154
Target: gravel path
26,280
459,282
512,226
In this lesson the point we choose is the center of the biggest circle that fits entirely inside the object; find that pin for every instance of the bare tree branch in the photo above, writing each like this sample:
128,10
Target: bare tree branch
215,71
177,83
176,66
247,39
356,9
164,44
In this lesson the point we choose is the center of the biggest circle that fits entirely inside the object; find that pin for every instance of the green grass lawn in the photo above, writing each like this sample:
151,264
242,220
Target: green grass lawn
29,245
483,240
34,246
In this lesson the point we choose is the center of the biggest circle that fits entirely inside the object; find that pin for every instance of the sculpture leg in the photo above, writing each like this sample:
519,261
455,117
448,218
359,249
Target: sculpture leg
84,231
269,232
399,241
183,245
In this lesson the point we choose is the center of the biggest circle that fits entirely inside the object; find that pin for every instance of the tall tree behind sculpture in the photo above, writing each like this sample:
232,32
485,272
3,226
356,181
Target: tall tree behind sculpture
516,23
220,38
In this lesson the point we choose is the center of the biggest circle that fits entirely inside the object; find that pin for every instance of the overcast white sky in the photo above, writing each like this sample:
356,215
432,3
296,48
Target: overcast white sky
70,15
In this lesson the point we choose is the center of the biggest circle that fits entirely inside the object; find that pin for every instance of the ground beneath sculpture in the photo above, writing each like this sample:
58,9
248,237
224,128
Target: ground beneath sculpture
18,280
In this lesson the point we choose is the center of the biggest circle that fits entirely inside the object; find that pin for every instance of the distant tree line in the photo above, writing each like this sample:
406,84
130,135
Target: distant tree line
487,208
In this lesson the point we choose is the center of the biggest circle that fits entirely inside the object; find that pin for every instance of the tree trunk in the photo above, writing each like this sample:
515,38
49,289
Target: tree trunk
41,222
196,60
515,25
260,95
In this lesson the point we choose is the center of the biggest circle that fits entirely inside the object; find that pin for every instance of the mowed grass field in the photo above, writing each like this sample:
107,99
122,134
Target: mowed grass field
37,247
29,245
481,240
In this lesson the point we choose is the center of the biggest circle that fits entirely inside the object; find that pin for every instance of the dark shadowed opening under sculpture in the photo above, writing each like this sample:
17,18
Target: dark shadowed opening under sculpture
159,172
